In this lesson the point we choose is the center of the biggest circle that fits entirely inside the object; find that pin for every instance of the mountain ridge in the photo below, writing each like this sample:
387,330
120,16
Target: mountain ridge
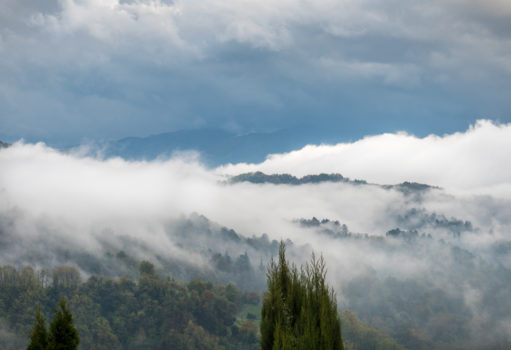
218,146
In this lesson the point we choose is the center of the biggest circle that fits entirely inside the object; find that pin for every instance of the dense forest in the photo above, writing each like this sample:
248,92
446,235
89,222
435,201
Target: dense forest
151,312
417,313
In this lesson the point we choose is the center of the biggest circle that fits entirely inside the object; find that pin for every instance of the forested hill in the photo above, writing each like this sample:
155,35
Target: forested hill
259,177
150,312
4,145
421,311
287,179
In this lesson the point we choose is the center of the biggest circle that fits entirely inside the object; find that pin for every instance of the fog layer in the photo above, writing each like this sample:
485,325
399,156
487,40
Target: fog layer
474,159
447,247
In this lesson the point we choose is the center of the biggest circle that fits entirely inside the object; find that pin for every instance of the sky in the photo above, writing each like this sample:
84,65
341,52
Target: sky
78,70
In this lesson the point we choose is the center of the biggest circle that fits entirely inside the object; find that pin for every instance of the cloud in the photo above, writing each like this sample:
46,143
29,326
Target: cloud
471,160
82,69
79,197
69,208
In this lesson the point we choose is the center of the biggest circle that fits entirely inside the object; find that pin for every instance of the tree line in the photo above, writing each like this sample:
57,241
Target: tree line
152,312
298,311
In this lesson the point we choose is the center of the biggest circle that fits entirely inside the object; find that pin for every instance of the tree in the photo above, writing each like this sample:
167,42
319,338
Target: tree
146,269
299,310
63,334
39,336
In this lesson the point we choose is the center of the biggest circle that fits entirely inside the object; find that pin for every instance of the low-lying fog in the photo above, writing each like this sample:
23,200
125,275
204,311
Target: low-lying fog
455,238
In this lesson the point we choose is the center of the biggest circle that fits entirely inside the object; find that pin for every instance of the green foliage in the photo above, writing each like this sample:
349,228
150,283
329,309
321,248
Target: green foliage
95,331
248,331
286,179
358,336
150,313
39,336
63,334
299,310
196,338
161,313
146,268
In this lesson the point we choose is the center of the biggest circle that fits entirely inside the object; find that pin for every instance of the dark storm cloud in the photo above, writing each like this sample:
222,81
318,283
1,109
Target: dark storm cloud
86,69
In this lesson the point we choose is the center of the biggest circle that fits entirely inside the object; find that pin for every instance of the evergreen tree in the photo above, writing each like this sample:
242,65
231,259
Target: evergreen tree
299,310
39,336
63,334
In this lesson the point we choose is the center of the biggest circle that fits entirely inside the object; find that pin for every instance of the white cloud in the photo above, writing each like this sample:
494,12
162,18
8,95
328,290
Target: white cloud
90,206
64,200
474,159
86,195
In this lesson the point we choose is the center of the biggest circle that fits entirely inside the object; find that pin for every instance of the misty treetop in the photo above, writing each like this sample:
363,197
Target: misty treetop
232,256
259,177
407,188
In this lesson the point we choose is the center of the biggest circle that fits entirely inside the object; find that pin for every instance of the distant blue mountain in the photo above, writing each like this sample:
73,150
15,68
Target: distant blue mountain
216,146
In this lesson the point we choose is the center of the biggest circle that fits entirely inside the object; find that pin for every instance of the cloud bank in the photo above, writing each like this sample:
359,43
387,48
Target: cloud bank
83,197
82,69
447,248
476,159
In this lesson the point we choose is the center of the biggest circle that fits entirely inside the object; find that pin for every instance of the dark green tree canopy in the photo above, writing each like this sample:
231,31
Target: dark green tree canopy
63,334
39,336
112,314
299,309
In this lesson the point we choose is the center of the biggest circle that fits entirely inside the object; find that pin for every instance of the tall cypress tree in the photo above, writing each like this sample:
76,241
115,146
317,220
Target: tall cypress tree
39,336
63,334
299,310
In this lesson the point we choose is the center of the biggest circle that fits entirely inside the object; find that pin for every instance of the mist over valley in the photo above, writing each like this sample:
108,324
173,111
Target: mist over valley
255,175
428,264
